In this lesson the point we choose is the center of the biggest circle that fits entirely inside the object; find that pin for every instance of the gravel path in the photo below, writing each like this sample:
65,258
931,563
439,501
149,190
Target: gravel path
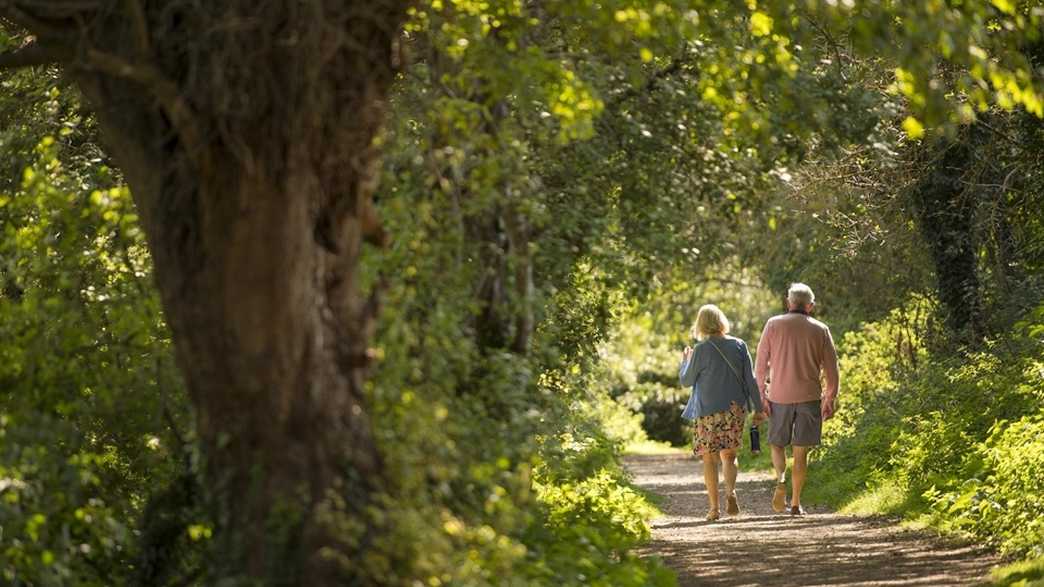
760,547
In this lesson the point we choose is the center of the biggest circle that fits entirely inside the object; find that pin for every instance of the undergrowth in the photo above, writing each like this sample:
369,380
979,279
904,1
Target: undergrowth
953,441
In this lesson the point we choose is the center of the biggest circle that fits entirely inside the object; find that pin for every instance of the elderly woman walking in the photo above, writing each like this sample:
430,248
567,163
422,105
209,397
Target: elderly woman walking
724,389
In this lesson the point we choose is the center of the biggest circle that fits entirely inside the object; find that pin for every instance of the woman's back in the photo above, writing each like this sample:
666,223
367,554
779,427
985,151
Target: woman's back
720,369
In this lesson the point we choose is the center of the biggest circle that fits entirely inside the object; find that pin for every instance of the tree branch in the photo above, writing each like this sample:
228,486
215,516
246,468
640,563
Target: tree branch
37,25
60,9
163,89
834,46
141,25
650,84
32,55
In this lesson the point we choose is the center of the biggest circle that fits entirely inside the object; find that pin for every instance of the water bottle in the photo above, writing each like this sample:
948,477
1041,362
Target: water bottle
755,440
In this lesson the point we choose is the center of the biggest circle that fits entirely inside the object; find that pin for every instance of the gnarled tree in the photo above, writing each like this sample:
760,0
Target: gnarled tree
246,132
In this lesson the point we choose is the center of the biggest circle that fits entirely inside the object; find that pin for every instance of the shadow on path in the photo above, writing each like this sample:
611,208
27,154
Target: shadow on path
760,547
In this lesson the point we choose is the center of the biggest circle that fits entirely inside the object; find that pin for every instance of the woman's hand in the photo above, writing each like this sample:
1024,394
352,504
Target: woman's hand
686,353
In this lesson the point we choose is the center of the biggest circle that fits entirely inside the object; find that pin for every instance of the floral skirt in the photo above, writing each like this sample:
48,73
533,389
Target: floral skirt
720,431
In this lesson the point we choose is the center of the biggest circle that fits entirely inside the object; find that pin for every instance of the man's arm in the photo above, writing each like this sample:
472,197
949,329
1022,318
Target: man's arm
764,360
833,378
750,386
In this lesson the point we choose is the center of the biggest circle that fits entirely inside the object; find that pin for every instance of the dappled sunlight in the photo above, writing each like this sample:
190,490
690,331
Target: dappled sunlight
760,547
385,292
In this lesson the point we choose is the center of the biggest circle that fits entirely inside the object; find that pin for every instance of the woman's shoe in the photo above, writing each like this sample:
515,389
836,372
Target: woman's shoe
731,505
779,498
713,515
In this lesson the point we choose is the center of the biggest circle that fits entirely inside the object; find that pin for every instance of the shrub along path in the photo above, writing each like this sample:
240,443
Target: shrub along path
760,547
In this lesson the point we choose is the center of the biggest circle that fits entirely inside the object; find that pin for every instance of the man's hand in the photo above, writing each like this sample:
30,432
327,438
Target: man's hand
767,405
686,353
760,417
827,408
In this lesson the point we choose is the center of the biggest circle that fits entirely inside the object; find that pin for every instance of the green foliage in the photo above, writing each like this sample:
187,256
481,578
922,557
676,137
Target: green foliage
1001,499
565,184
640,359
470,426
639,372
660,406
85,369
60,523
1021,574
954,439
597,520
489,460
952,60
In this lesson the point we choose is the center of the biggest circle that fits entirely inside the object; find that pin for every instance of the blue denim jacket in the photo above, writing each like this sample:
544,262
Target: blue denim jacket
714,385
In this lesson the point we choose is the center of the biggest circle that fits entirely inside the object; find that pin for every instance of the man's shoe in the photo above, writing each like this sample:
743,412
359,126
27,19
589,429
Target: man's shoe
779,497
796,510
731,505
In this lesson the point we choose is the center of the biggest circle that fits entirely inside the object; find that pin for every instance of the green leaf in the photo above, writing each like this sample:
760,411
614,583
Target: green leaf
1005,6
913,127
760,24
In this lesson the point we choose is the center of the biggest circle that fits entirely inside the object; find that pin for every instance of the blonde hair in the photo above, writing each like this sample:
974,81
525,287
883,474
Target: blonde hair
710,320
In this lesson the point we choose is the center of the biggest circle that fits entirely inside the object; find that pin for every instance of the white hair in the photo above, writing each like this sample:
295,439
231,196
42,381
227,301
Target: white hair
801,295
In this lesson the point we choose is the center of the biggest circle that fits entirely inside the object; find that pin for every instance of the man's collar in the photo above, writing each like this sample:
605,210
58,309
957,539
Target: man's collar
799,311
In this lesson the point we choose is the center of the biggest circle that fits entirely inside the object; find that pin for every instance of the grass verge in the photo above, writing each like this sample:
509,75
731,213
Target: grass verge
1021,574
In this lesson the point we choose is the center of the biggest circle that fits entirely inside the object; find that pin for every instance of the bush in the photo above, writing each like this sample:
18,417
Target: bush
595,523
1001,500
92,414
660,408
59,522
1021,574
957,438
875,370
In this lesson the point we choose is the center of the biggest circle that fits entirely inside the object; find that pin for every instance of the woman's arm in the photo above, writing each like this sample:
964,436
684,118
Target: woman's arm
689,372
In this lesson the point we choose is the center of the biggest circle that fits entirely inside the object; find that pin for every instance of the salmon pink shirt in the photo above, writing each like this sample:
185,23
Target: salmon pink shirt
794,350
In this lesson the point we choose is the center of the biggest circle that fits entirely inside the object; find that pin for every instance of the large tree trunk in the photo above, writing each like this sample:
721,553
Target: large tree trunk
271,334
245,131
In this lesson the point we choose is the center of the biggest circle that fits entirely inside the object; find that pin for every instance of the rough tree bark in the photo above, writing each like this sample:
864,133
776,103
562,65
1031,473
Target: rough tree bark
245,130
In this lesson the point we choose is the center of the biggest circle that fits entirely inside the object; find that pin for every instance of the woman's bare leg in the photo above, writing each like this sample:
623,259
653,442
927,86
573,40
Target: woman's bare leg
710,479
731,467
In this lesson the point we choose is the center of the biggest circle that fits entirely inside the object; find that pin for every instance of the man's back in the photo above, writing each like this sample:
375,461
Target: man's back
796,348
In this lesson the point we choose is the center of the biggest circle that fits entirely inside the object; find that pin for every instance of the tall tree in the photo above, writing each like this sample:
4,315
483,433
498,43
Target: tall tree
944,209
246,132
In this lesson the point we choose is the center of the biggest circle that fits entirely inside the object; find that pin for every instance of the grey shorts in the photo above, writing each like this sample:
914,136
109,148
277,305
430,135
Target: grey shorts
797,424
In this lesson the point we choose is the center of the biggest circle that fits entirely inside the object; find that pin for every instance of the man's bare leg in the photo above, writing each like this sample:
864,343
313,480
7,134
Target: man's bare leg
710,479
799,474
779,463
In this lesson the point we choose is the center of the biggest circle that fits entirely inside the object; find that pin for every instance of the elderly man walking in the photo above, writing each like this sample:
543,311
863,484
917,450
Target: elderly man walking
794,352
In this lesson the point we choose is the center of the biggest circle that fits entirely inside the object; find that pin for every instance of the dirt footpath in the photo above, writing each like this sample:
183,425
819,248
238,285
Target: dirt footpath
760,547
